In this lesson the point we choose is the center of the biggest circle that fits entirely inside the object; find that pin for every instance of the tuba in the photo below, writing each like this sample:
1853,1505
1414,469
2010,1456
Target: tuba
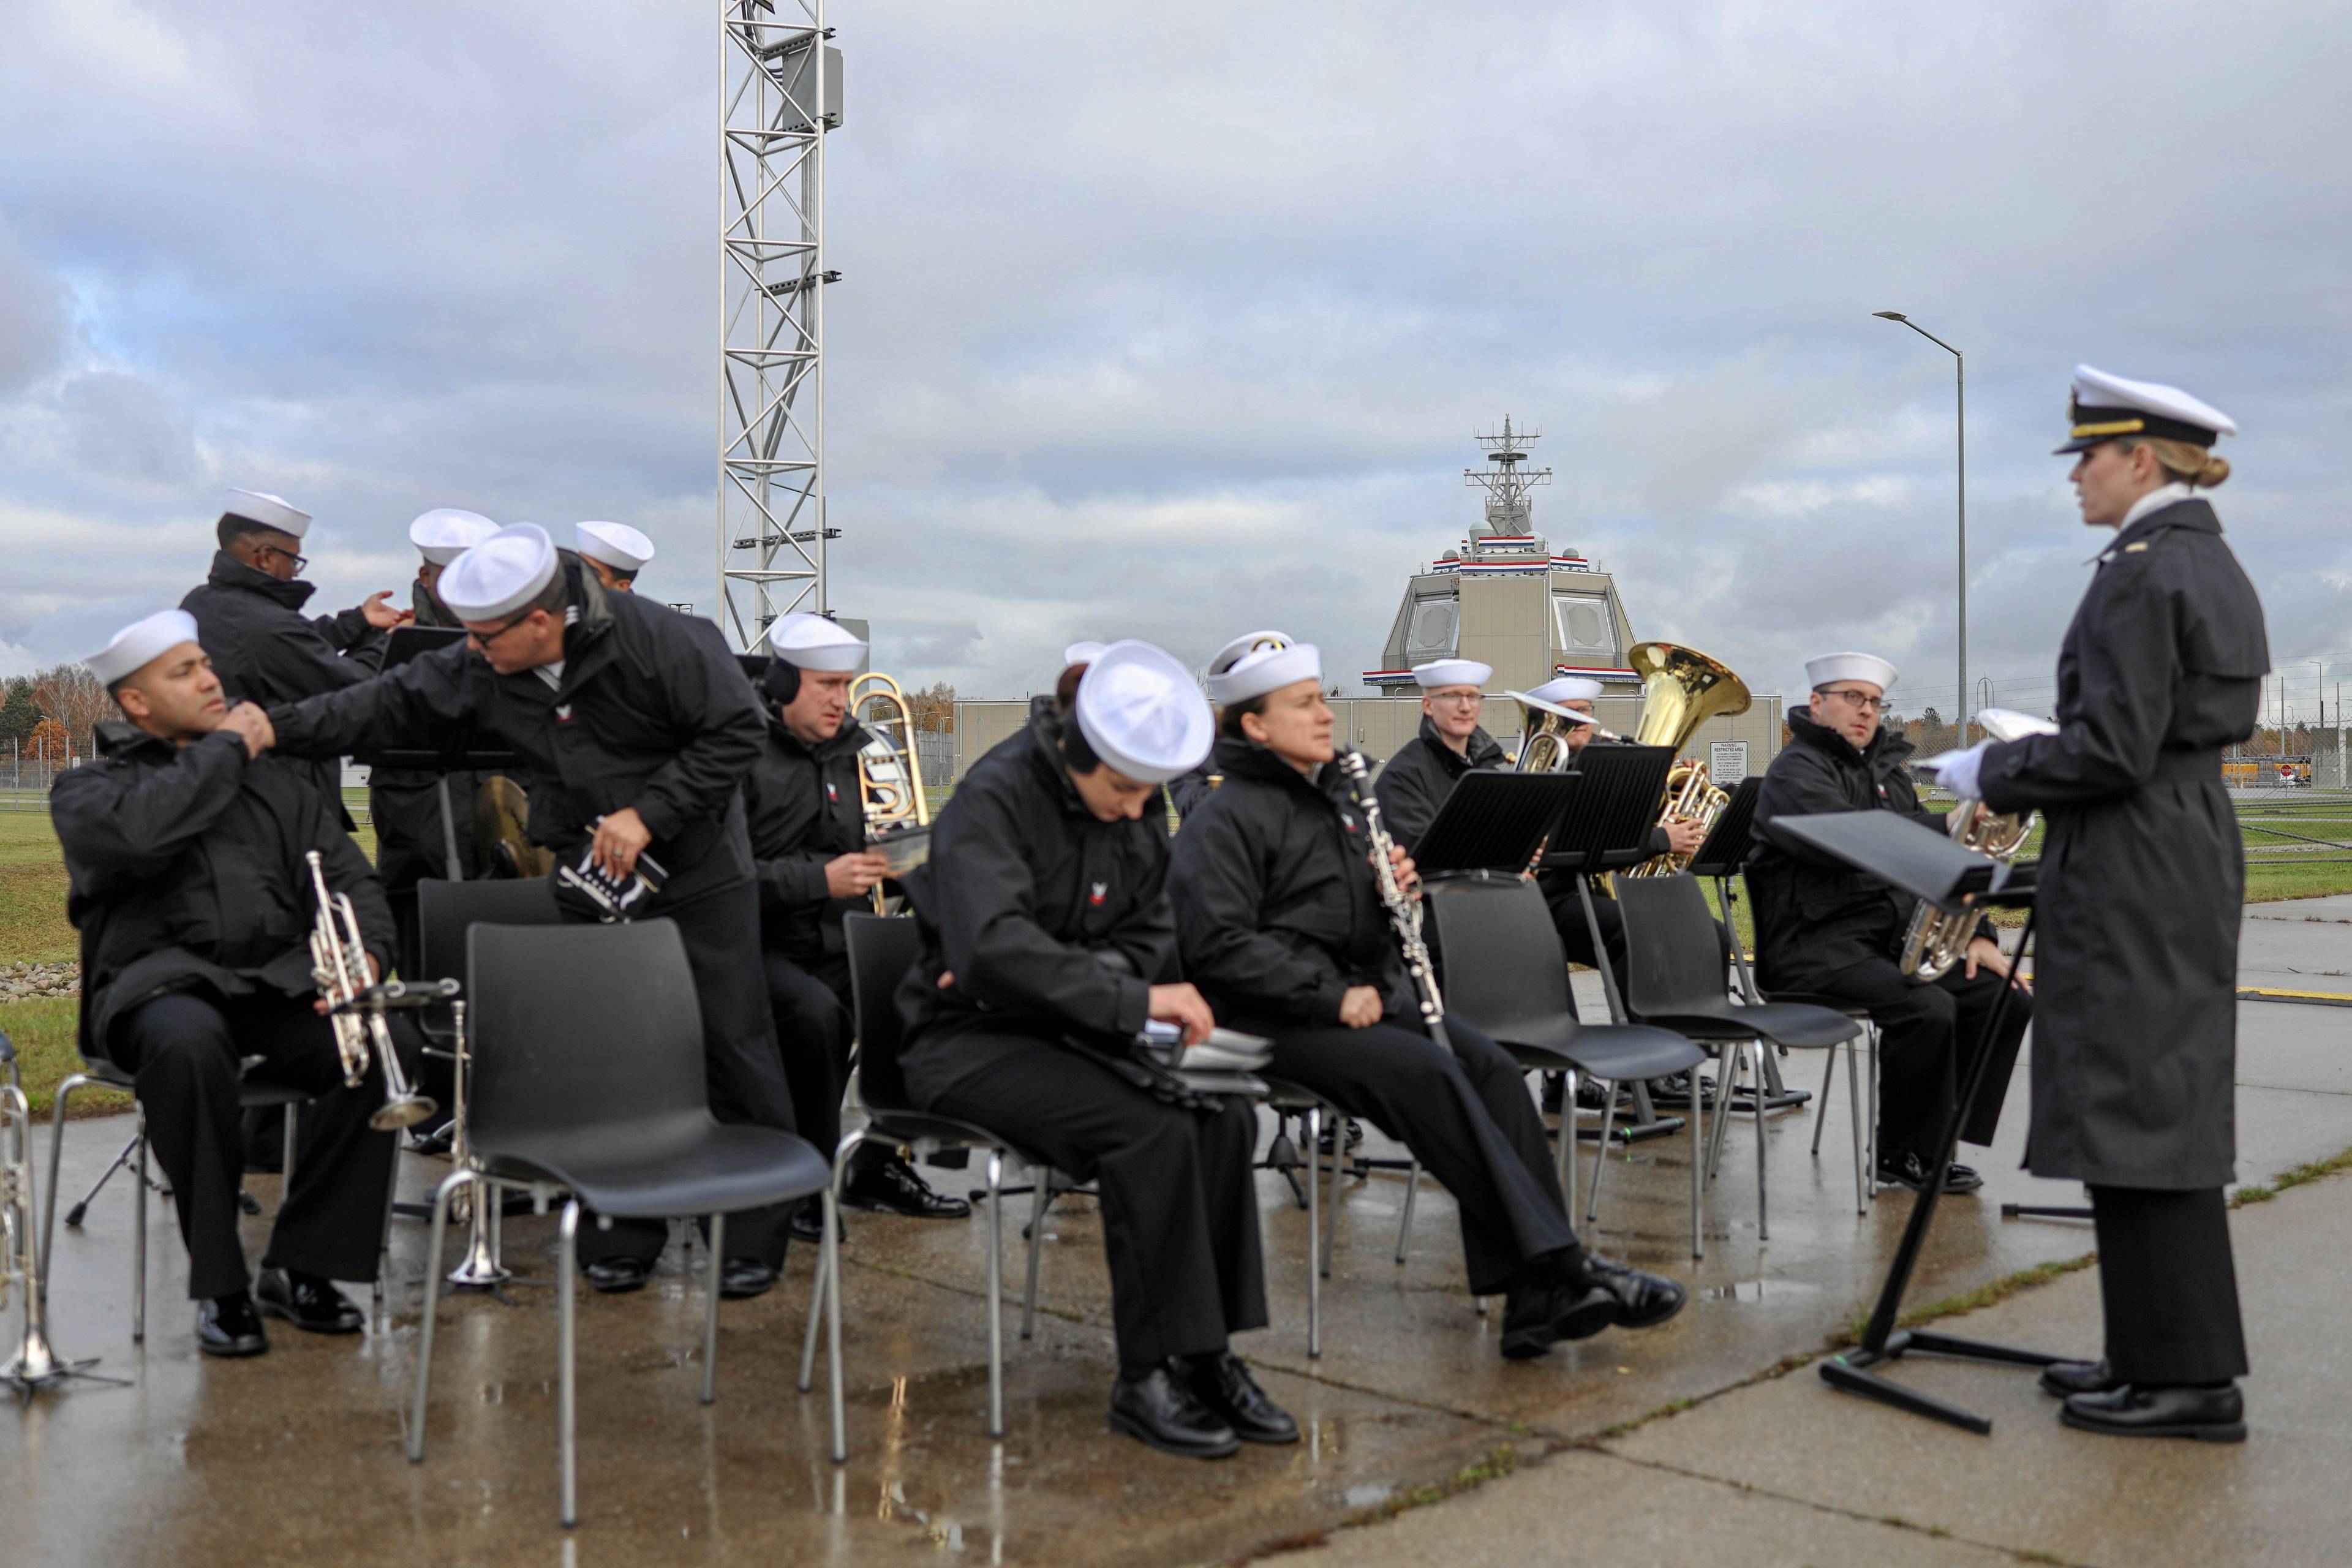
890,776
1682,689
1936,940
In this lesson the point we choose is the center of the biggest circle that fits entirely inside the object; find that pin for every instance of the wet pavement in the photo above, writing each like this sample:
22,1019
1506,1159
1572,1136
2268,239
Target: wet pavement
297,1458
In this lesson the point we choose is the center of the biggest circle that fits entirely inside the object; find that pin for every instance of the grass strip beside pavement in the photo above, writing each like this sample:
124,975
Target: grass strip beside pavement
43,1029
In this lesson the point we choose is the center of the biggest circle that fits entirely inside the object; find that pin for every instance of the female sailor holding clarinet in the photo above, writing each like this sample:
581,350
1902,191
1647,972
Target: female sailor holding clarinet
1283,925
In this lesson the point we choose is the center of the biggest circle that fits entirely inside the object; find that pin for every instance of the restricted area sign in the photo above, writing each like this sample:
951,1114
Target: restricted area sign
1727,762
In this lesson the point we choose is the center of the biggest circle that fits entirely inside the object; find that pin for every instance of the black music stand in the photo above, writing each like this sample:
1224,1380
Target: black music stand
1492,823
1951,878
1606,827
468,751
1719,859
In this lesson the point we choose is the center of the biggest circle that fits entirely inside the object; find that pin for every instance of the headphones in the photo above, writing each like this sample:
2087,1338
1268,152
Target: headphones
780,681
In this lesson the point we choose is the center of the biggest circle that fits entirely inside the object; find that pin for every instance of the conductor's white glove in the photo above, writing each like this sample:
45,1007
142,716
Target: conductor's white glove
1957,771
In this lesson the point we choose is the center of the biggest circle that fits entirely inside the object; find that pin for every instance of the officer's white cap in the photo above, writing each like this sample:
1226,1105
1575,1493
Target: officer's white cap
813,642
616,545
1143,713
269,511
1568,688
139,643
1268,667
500,574
1082,653
1440,672
1869,667
444,533
1225,658
2105,407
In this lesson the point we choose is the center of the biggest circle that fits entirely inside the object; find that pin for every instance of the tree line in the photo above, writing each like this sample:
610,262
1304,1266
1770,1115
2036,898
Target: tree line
51,714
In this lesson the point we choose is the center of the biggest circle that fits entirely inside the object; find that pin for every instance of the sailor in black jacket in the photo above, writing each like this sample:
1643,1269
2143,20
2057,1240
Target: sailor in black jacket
809,854
1823,927
1413,783
249,613
2135,1049
1281,925
1047,937
637,728
195,904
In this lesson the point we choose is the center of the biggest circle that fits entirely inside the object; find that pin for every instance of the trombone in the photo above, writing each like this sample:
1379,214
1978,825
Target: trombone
890,776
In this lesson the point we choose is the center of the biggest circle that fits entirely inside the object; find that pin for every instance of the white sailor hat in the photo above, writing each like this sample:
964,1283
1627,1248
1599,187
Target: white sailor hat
444,533
269,511
2105,407
1248,642
616,545
1869,667
1440,672
1269,663
1568,688
500,574
1549,705
140,642
1141,712
813,642
1082,653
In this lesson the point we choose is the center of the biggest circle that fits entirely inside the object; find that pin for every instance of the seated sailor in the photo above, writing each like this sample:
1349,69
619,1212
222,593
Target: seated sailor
195,906
1415,782
1282,926
1047,941
1825,928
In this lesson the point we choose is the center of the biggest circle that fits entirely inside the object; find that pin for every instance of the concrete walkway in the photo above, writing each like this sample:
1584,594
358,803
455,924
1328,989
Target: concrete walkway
295,1457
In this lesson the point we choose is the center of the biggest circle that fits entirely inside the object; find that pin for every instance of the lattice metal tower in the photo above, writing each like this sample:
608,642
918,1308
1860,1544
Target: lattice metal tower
778,92
1508,509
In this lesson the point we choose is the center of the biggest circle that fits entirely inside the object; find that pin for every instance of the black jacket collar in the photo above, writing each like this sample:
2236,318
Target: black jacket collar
1887,748
1248,760
121,738
1485,751
228,571
2195,514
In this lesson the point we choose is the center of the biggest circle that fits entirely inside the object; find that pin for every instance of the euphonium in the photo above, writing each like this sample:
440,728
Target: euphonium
339,962
890,775
1682,689
1936,940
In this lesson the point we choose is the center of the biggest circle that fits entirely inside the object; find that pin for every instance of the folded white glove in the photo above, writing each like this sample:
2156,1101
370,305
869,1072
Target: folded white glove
1957,771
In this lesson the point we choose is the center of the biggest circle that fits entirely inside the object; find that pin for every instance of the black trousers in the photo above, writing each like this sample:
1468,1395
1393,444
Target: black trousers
2169,1286
1466,1116
810,1006
1179,1196
740,1063
1929,1034
184,1050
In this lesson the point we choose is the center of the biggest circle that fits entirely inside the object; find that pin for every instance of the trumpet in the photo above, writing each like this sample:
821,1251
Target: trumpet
1934,941
339,962
890,776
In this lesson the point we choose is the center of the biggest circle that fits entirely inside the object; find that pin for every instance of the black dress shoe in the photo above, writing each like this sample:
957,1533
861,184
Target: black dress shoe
1158,1409
740,1278
1223,1385
893,1187
618,1276
808,1224
228,1326
2062,1378
2207,1415
1910,1170
1541,1311
1674,1090
311,1304
1355,1134
1644,1301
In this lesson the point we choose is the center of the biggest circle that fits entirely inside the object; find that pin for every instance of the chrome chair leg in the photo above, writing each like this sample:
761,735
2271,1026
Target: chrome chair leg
1332,1200
139,1241
996,1282
71,1083
1697,1163
1314,1233
1821,1111
825,1260
710,1312
1763,1220
1600,1155
1040,1199
831,1268
483,1193
1404,1227
567,1331
1565,1154
1862,1174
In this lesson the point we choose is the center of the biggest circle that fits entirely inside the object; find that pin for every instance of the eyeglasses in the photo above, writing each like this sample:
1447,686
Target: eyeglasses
299,561
484,640
1859,699
1468,699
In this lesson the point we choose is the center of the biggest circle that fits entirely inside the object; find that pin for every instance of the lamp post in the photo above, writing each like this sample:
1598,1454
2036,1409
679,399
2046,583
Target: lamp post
1960,397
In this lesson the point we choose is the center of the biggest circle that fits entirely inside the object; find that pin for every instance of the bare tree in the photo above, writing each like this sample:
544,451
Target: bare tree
933,708
72,696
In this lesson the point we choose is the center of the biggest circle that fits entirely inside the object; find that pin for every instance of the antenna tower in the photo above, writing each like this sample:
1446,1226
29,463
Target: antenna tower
778,92
1508,509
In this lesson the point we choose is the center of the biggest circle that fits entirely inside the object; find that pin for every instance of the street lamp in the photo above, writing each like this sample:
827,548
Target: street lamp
1960,393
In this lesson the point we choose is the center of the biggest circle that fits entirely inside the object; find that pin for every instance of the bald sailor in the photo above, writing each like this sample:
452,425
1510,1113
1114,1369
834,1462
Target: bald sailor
614,551
637,730
1416,781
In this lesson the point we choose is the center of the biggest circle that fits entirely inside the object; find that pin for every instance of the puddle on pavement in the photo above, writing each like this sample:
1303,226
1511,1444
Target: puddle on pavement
1759,1289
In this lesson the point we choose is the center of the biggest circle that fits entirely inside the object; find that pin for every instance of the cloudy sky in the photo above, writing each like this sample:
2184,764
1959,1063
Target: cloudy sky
1175,321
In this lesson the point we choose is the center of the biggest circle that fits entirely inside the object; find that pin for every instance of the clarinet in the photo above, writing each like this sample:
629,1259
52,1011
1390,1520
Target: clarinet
1403,913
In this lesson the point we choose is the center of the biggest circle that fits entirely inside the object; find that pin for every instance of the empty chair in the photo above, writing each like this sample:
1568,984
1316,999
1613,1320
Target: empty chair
588,1076
1676,980
1506,975
1866,1128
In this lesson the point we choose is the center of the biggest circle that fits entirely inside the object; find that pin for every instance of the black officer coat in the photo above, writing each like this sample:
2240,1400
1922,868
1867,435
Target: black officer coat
1814,913
1417,780
651,711
1052,921
187,872
405,804
1278,911
802,802
2143,871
